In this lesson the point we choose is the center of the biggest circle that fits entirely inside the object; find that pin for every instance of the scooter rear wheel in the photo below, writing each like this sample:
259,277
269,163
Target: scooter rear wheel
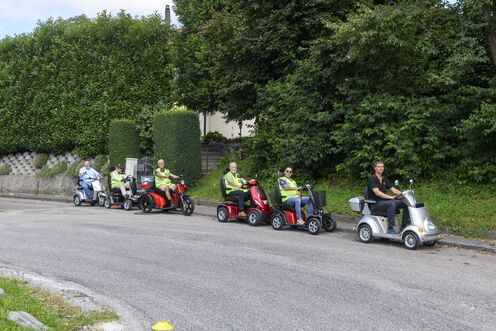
127,205
277,222
77,201
222,214
364,233
146,203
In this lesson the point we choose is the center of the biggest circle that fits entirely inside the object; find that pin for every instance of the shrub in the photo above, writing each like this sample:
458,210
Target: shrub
176,138
73,169
124,141
5,169
57,169
214,136
40,160
100,161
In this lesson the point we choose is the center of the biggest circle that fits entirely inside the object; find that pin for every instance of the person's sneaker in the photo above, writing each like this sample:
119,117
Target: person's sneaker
300,221
391,231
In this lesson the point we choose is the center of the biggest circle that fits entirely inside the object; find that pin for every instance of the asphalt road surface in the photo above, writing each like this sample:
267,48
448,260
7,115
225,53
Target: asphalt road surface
199,274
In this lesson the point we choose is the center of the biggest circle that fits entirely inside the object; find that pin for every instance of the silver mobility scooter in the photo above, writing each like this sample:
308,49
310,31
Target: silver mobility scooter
372,225
98,189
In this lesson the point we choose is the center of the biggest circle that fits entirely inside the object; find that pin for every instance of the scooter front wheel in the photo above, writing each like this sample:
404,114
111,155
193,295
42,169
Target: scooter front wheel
107,203
127,205
101,201
187,207
313,226
411,240
330,225
254,218
77,201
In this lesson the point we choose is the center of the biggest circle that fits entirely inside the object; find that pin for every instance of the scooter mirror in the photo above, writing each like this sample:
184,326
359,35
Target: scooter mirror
411,181
396,183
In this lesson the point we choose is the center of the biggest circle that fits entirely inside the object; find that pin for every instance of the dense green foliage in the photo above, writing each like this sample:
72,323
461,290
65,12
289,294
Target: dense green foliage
334,85
123,141
40,160
176,137
62,84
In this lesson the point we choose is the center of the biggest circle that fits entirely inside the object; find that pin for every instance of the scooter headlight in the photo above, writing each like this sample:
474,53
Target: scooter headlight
265,202
182,182
429,225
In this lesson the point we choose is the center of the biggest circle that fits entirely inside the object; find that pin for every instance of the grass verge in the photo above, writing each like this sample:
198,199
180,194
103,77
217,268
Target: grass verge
466,210
52,310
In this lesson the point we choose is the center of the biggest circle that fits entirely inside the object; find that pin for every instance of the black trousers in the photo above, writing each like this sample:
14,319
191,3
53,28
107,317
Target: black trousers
242,197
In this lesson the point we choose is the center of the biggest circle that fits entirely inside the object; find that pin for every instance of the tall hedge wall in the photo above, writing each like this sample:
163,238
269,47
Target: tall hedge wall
124,141
61,84
176,138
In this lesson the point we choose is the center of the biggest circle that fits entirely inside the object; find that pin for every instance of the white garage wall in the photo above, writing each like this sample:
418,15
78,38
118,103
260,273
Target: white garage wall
216,122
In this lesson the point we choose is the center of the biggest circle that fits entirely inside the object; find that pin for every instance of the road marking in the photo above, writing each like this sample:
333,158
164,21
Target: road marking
162,326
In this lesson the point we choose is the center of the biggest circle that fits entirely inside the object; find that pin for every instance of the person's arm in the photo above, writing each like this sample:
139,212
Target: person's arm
286,186
392,188
81,173
230,180
158,174
381,195
373,186
173,176
115,177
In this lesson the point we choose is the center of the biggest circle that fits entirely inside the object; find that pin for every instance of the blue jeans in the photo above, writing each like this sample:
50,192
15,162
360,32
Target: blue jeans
297,203
86,187
391,206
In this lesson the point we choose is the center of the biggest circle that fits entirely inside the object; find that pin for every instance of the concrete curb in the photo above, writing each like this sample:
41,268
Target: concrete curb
345,223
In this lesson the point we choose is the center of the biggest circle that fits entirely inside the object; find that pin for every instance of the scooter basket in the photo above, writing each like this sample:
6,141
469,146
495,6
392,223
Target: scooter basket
320,198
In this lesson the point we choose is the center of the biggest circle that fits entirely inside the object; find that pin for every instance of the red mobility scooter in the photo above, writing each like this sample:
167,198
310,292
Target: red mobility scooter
155,198
259,209
285,215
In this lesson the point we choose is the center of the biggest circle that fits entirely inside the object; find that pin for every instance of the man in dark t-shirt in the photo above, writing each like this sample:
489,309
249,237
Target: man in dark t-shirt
377,190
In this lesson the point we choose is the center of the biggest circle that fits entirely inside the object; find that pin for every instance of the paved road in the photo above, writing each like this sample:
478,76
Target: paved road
202,275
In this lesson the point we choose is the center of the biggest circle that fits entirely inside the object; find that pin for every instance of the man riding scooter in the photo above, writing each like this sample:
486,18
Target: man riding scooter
234,188
290,194
87,175
117,182
162,179
377,187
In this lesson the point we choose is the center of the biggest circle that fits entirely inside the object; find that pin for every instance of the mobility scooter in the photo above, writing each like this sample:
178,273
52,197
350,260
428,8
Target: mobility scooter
285,215
421,229
259,209
115,196
155,198
99,195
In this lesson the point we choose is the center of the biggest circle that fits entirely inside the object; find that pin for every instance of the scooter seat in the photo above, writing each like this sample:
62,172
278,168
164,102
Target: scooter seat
379,213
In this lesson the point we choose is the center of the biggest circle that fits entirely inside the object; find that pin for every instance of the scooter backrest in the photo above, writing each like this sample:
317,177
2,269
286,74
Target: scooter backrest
277,189
223,186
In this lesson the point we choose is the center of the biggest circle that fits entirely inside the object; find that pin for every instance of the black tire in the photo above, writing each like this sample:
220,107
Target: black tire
254,217
429,243
277,221
108,203
222,214
330,225
77,200
101,200
365,234
146,203
411,240
313,226
187,206
127,205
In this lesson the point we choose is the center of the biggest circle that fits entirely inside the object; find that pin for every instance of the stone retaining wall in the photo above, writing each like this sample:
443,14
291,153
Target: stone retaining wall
58,185
22,163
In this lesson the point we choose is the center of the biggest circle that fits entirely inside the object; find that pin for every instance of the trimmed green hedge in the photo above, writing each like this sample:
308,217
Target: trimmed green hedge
124,141
176,139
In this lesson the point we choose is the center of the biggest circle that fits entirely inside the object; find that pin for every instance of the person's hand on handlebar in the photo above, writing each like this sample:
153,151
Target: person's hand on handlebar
398,197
